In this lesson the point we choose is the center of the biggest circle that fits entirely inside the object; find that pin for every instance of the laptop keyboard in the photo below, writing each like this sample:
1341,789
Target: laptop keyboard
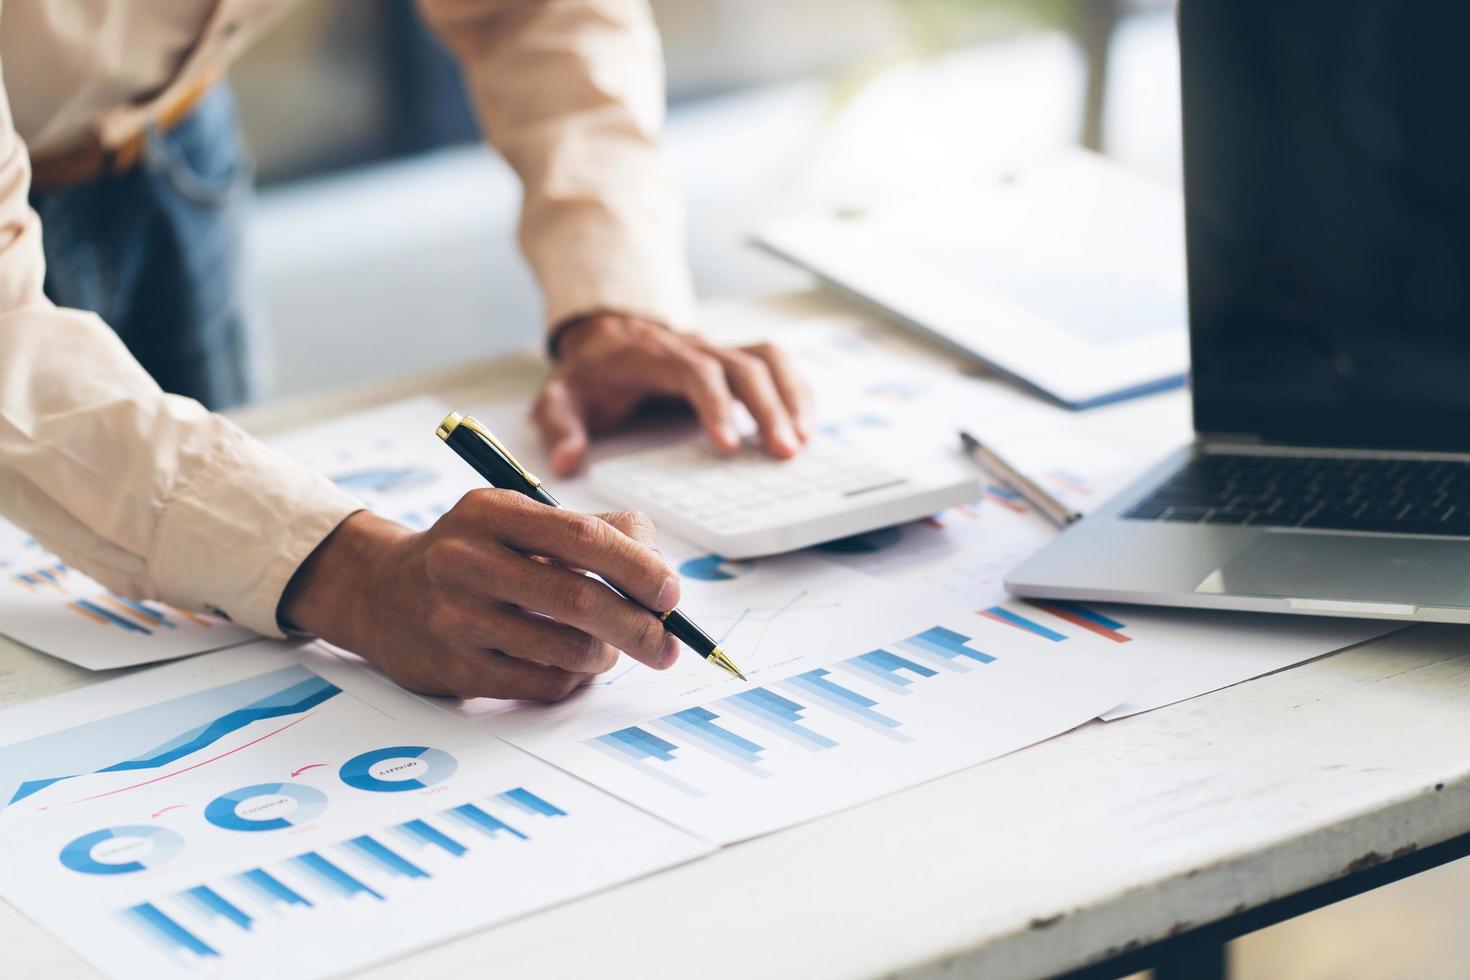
1331,493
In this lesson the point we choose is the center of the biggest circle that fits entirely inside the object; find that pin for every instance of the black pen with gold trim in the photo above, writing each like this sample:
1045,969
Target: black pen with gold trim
489,457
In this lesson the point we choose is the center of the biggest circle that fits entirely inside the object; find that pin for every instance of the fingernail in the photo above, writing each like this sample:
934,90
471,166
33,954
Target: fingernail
668,594
786,438
728,436
804,426
564,458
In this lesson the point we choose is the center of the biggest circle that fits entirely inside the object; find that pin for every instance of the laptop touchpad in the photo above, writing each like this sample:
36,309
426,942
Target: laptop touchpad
1412,571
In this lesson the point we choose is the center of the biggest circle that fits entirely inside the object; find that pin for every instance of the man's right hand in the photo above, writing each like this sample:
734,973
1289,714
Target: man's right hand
486,603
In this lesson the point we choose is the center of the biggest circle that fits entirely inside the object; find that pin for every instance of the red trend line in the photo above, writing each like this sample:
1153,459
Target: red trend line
178,772
173,806
314,765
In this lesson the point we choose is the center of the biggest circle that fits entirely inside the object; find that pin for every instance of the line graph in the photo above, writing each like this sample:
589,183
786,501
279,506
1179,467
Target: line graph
157,736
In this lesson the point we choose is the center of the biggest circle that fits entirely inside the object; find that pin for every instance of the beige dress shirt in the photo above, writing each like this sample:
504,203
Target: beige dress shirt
151,494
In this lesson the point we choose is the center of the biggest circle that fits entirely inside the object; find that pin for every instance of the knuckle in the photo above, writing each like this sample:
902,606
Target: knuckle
586,531
633,523
704,368
649,634
744,363
446,557
445,620
580,601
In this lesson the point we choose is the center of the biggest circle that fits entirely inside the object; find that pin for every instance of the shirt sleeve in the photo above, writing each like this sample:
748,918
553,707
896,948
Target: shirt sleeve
571,92
148,493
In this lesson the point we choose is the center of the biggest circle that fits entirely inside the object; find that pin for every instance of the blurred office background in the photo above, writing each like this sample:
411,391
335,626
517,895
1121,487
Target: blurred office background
384,235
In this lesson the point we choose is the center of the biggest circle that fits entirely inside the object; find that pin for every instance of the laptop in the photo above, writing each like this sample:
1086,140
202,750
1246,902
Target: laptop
1327,199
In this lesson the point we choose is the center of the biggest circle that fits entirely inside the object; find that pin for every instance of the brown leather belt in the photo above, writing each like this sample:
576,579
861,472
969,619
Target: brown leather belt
89,159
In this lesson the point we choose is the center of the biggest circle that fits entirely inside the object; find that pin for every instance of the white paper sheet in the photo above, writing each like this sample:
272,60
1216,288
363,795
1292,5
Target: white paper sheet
51,607
390,458
855,690
270,812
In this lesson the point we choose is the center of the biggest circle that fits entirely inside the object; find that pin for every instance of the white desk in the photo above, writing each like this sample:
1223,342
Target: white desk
1065,854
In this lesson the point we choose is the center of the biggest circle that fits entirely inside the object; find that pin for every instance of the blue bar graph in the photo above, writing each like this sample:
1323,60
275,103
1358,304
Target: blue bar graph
156,927
944,648
699,724
269,890
793,709
380,855
98,613
528,802
845,702
776,714
1003,615
885,669
645,752
477,819
147,612
422,834
211,905
331,877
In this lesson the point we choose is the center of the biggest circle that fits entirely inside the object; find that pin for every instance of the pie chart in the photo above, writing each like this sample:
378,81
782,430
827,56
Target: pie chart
122,850
398,769
266,806
713,568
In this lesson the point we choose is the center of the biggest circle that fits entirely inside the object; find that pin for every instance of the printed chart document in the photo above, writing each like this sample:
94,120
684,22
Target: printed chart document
52,607
390,458
273,812
854,692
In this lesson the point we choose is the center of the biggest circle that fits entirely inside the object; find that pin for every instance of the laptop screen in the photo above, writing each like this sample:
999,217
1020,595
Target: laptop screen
1327,174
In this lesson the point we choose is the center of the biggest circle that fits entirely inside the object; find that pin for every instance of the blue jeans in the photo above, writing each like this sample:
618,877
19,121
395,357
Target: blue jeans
157,253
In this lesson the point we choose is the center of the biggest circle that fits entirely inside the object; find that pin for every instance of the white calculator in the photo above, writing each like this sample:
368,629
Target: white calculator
749,504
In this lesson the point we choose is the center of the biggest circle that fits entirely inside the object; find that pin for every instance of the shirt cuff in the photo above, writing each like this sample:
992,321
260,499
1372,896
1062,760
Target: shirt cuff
590,265
233,536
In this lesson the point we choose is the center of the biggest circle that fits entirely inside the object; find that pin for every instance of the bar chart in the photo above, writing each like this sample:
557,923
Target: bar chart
276,812
206,921
829,721
47,604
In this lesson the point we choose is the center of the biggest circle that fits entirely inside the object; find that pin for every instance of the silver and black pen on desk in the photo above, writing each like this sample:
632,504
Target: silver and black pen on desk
991,462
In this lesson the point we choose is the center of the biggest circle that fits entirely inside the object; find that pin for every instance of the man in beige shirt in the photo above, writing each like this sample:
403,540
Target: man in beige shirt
158,498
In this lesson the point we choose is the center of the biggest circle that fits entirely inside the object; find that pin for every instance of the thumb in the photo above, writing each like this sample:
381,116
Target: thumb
563,430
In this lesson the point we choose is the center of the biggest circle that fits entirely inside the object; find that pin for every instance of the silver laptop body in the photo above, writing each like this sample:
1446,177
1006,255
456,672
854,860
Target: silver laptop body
1327,175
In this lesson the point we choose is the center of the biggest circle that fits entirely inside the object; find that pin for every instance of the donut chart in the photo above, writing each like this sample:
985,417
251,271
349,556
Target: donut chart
713,568
122,850
398,769
266,806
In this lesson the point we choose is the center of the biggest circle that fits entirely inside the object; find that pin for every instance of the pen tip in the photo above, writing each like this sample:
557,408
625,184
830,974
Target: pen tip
719,659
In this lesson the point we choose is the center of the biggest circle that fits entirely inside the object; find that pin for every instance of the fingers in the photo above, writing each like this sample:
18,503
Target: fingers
635,525
579,540
489,674
751,381
526,637
563,431
699,378
590,606
795,393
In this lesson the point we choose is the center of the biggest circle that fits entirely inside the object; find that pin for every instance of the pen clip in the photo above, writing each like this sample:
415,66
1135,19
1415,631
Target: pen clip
454,420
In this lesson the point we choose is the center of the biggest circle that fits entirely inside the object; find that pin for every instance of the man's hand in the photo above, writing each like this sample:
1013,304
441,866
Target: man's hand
485,603
608,366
